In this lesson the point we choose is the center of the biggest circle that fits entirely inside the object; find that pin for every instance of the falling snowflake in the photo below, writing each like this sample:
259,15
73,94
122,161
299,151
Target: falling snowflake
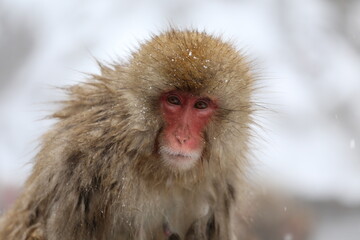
288,236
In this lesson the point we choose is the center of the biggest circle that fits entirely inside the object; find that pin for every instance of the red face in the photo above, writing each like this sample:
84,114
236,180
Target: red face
186,117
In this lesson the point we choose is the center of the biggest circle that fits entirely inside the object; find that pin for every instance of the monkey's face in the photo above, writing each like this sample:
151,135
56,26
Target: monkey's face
185,116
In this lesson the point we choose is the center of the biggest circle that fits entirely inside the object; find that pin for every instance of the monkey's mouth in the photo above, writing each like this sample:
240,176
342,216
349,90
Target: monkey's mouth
178,159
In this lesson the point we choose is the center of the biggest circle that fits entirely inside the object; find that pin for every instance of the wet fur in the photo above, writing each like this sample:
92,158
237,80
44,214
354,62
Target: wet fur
98,174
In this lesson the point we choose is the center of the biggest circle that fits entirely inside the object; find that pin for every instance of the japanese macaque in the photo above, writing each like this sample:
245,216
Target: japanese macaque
152,148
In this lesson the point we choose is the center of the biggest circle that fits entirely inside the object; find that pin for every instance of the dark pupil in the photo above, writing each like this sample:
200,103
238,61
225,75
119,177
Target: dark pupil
174,100
201,105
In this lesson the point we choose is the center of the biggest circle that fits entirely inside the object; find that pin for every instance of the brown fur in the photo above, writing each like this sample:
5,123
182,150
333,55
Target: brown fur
98,174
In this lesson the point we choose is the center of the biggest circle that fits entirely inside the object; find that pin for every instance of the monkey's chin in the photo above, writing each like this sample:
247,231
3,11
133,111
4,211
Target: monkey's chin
179,160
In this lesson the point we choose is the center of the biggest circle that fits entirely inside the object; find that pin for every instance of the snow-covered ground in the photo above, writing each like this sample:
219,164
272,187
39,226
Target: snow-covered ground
308,54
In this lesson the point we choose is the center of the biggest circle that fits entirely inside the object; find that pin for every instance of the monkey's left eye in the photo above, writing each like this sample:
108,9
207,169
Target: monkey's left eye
173,100
201,104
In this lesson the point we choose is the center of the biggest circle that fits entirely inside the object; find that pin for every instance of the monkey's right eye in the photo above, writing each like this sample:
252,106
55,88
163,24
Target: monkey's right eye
173,100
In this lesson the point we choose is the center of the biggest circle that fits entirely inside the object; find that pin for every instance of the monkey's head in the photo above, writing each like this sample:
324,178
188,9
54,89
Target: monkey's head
193,92
181,106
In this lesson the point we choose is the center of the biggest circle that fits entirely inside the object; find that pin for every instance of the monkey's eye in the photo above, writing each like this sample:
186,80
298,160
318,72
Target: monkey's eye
201,104
173,100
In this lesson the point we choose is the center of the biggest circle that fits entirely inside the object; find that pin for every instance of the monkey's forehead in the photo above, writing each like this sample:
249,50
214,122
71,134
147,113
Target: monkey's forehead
191,60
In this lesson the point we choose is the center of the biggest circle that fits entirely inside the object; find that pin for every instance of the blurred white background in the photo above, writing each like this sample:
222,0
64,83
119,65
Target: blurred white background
308,53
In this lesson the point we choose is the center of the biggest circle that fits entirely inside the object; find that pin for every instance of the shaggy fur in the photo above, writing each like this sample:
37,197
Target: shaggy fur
98,174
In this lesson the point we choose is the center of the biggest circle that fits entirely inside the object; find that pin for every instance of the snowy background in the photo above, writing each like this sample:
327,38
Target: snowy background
308,53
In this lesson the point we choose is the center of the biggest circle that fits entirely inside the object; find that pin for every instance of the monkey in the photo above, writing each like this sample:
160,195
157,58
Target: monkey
154,147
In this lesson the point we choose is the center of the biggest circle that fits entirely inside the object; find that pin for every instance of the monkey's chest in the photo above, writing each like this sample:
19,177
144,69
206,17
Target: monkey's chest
174,212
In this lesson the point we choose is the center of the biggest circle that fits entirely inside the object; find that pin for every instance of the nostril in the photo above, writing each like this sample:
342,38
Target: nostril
182,139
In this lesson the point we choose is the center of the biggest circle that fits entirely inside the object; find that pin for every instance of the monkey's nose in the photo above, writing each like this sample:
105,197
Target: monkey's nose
182,139
182,134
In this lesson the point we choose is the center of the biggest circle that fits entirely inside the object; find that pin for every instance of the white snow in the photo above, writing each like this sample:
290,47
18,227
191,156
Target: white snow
352,143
